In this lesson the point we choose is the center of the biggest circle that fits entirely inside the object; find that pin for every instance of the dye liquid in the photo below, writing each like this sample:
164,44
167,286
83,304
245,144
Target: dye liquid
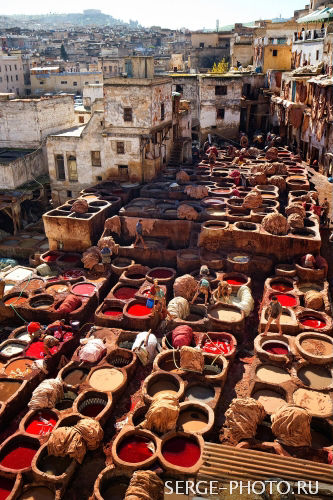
135,449
76,376
42,423
276,348
19,458
51,258
36,350
313,322
85,289
281,287
237,282
6,486
113,312
287,300
92,410
139,310
181,451
160,274
125,293
217,347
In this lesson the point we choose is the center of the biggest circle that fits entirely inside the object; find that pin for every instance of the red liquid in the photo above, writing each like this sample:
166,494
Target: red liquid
37,425
69,258
36,350
160,273
236,282
281,287
6,486
113,312
287,300
181,451
68,336
15,301
51,258
139,310
125,293
92,410
276,348
313,322
19,458
86,289
217,347
134,449
73,274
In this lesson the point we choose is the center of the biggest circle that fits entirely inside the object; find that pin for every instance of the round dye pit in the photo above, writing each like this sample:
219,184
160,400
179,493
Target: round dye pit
41,423
92,407
135,449
12,349
19,457
241,259
42,302
8,389
217,347
67,401
114,489
6,487
192,420
52,257
162,385
37,493
73,274
225,314
15,301
272,374
317,403
276,347
271,400
106,379
58,288
160,274
69,258
139,310
54,466
236,281
36,350
317,347
23,336
19,368
75,376
281,286
181,451
113,312
313,322
201,393
85,289
125,293
286,300
316,377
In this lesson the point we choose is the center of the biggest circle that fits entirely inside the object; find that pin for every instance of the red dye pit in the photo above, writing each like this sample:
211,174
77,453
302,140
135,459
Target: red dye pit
6,486
135,276
125,293
134,449
92,410
217,347
237,282
287,300
181,451
139,310
313,322
15,301
276,348
281,287
113,312
51,257
73,274
69,258
19,458
36,350
160,273
42,423
86,289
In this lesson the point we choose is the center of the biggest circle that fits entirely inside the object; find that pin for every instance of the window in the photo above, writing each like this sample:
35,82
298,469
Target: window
10,67
15,67
41,83
74,84
317,55
86,83
96,158
11,78
201,45
105,69
81,119
179,88
0,79
99,178
60,168
220,114
72,169
275,53
123,170
17,76
69,194
162,111
120,148
221,90
63,82
110,69
128,115
97,81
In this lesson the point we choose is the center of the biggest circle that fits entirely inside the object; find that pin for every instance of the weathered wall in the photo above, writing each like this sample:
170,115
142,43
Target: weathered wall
74,82
91,93
281,61
22,170
190,91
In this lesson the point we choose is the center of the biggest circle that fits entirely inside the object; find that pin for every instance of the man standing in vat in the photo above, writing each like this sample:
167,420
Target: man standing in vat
274,314
138,234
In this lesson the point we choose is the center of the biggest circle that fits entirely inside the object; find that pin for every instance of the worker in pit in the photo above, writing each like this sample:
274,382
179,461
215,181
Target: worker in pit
138,234
274,314
223,292
35,330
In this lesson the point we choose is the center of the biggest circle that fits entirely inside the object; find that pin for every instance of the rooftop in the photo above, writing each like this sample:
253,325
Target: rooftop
8,155
71,132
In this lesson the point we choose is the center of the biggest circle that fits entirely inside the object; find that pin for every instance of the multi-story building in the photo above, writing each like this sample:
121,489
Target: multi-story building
51,79
11,74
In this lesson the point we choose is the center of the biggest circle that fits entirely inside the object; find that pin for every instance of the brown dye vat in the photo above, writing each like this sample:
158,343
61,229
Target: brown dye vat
37,493
8,388
271,400
192,420
200,393
67,401
162,385
58,288
316,377
19,368
106,379
272,374
317,347
225,314
316,402
52,465
115,490
76,376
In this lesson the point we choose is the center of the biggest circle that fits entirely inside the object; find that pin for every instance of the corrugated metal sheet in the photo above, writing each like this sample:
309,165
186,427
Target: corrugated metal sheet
317,16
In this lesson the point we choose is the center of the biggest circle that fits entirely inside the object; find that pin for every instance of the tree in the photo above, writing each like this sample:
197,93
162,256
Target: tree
63,53
221,67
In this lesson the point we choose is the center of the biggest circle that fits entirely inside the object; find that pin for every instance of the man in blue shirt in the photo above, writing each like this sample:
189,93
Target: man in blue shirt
138,234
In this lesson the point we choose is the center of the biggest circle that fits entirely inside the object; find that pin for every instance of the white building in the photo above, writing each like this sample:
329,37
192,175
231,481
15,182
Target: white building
11,74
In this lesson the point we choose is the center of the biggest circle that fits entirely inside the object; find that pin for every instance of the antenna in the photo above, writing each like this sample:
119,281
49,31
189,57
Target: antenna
217,24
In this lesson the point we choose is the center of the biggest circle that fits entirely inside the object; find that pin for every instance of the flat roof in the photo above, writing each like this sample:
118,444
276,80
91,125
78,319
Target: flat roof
9,155
71,132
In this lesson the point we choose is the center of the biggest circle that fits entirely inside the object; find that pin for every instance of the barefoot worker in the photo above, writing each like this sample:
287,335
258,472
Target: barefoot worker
138,234
274,314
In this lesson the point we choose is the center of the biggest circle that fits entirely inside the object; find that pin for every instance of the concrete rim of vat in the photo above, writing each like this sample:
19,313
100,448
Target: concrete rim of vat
286,280
308,364
20,439
176,468
31,413
312,412
307,274
222,362
68,420
125,353
213,261
116,266
72,289
122,284
60,282
286,270
15,333
94,394
17,484
60,480
139,411
317,315
139,319
162,375
68,265
108,474
126,433
116,391
202,408
58,253
315,359
18,295
162,281
167,356
261,340
125,277
43,297
109,321
222,323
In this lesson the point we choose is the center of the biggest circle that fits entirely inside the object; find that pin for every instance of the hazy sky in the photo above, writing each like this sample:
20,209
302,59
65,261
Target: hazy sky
193,14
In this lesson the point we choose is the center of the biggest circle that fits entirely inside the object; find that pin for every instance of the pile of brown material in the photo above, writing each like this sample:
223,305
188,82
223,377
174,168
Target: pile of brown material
296,221
314,300
91,257
253,200
197,192
179,307
291,426
145,485
275,224
242,418
191,359
272,154
280,168
80,206
108,241
74,441
244,141
46,394
295,208
253,152
163,413
182,177
185,286
279,181
257,179
113,225
187,212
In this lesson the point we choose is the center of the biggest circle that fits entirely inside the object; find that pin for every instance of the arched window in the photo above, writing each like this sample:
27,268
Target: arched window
60,167
72,169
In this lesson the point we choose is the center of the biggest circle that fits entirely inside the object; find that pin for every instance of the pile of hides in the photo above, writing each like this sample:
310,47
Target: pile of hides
187,212
258,179
252,200
280,168
244,141
182,177
179,308
46,394
163,413
70,304
231,151
197,192
313,300
245,300
191,359
253,152
108,241
295,221
185,286
92,350
182,336
275,224
80,206
145,485
113,224
91,257
272,154
295,208
321,263
74,441
279,181
242,418
291,426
